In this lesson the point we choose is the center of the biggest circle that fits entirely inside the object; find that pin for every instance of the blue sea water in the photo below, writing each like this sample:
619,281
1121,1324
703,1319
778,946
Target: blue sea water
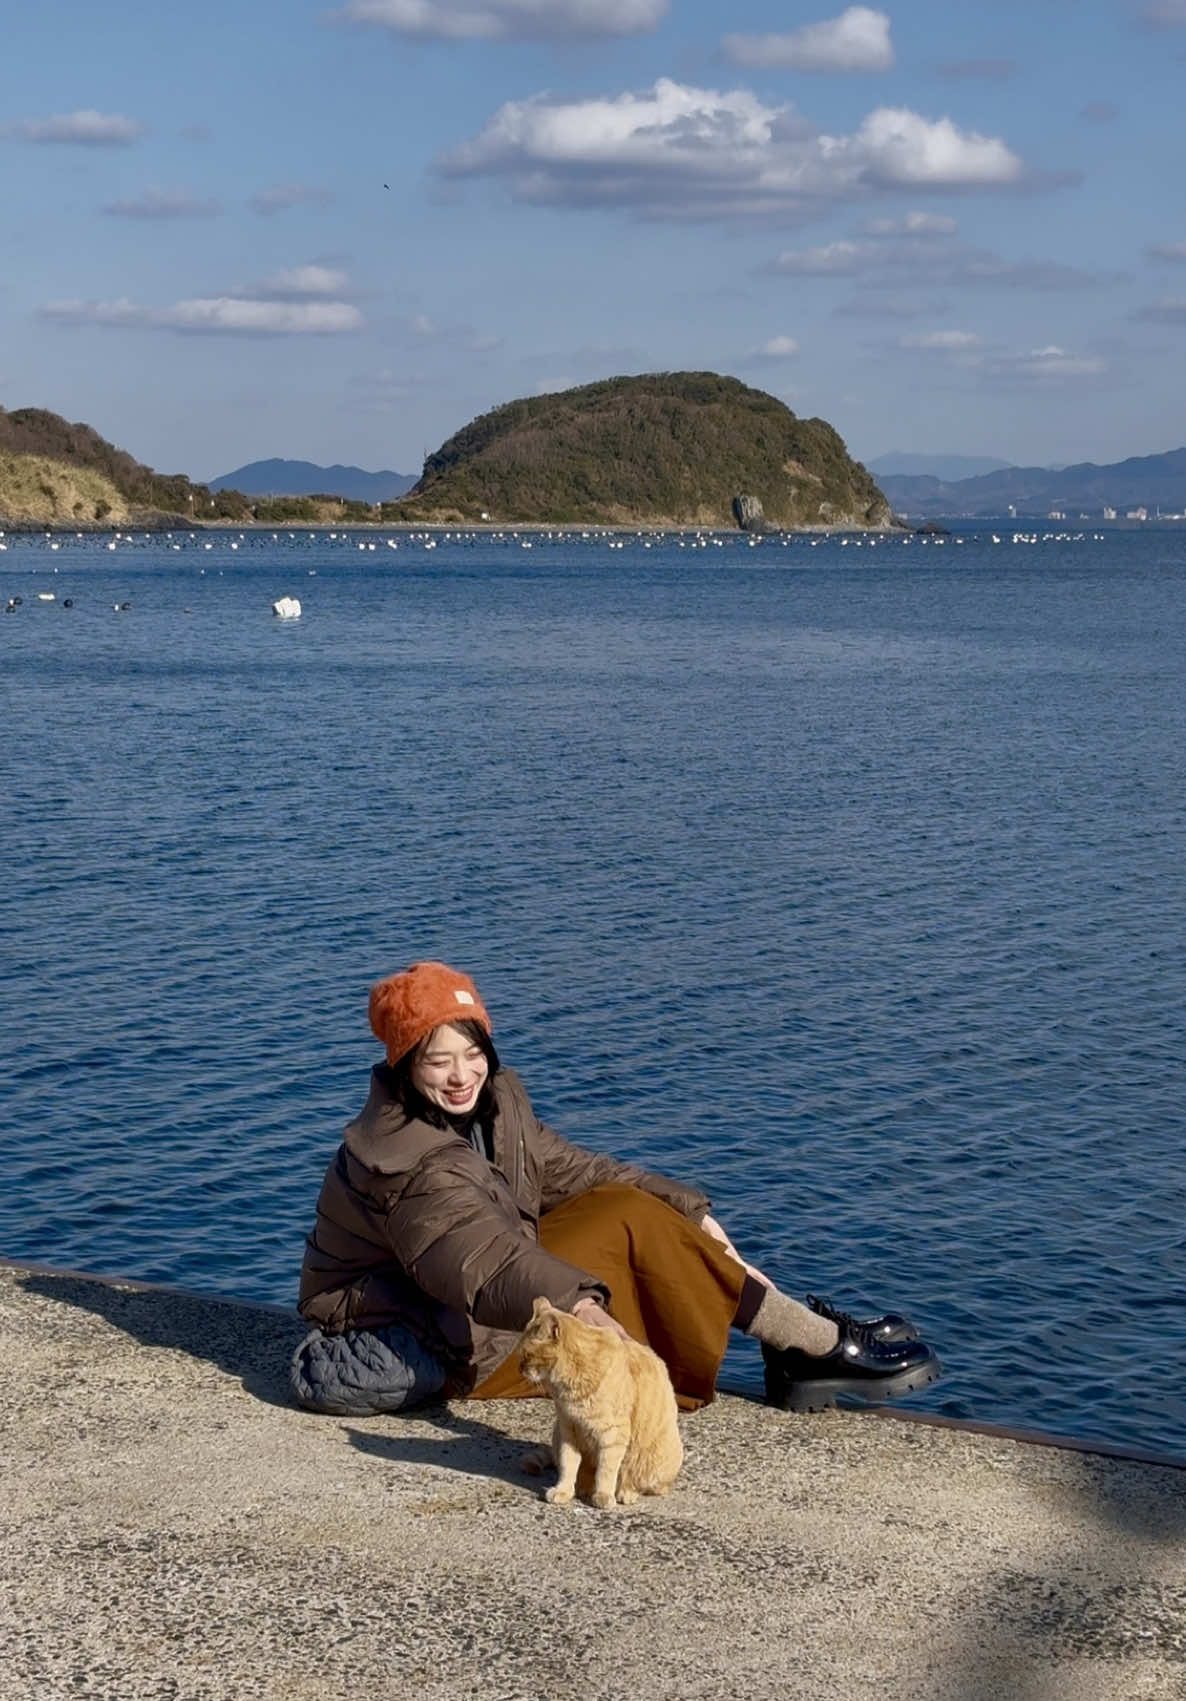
843,877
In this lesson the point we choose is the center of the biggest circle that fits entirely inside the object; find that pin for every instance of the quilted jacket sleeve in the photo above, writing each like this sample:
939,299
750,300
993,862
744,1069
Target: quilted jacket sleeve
568,1170
463,1243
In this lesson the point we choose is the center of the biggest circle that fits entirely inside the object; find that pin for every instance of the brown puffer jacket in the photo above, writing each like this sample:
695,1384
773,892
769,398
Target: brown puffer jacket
415,1227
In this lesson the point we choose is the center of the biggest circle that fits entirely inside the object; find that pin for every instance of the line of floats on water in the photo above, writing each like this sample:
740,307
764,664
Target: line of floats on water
290,608
612,538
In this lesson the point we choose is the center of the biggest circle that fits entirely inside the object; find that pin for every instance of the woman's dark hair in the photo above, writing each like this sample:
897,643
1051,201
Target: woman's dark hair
400,1075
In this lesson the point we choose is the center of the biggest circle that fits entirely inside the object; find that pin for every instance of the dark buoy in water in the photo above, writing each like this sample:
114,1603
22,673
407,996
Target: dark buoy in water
67,602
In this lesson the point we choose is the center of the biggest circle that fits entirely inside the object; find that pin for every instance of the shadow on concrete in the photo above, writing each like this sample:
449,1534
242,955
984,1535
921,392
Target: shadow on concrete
469,1445
252,1343
1112,1604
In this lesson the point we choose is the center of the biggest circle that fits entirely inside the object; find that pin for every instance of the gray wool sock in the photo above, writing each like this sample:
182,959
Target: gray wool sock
782,1322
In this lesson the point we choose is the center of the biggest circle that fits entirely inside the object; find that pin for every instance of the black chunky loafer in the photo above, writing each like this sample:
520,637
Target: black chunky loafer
859,1365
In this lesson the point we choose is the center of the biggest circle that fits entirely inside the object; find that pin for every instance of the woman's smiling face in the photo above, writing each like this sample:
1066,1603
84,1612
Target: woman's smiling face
449,1070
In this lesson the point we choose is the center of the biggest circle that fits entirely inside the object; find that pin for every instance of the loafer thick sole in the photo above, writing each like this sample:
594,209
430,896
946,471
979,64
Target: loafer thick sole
819,1394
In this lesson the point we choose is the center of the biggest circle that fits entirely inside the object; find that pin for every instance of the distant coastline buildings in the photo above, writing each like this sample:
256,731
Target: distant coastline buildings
1109,513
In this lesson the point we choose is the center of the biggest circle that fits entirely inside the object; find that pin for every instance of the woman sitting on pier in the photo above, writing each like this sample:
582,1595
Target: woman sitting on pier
449,1207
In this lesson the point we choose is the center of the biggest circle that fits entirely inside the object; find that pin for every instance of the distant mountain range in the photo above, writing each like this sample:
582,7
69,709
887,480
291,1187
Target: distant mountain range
1151,482
304,478
947,467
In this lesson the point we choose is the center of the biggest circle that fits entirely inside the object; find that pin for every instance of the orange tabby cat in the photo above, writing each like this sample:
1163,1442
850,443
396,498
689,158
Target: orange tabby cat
615,1409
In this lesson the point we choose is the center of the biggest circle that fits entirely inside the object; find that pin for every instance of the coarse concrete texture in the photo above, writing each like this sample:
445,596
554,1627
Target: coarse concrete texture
173,1530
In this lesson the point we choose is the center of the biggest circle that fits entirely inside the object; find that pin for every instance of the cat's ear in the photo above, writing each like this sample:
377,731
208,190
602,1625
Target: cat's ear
546,1315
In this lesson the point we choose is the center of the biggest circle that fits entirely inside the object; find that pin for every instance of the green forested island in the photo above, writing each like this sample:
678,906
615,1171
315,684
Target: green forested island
665,449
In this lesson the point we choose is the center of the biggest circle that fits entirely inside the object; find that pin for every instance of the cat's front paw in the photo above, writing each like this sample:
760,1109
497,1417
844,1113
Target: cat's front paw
558,1496
601,1499
627,1496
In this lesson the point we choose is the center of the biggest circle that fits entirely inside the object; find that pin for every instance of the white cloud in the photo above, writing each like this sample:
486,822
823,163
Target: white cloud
299,281
493,20
779,348
674,151
897,146
1047,365
830,260
282,196
87,128
226,314
948,342
858,40
163,204
913,224
1175,251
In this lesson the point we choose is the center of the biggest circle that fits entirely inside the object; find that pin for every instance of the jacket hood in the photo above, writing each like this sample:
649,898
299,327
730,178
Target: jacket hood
387,1140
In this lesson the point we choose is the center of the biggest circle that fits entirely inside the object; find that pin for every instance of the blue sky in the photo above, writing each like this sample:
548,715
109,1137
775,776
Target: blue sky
337,233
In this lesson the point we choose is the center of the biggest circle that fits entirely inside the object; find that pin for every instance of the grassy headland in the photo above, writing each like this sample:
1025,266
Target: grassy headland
56,473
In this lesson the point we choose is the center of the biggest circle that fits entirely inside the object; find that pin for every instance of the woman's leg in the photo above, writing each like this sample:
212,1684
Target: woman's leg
680,1288
815,1353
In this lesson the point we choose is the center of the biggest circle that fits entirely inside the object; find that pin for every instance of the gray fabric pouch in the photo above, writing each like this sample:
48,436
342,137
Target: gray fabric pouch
363,1372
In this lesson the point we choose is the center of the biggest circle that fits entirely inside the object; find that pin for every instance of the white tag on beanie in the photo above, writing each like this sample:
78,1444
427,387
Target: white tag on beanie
462,997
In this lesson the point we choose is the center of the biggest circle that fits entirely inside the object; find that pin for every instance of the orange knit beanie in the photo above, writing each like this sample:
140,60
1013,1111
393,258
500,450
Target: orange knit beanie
405,1007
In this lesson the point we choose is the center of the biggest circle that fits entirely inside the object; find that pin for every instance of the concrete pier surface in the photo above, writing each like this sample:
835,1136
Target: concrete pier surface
171,1529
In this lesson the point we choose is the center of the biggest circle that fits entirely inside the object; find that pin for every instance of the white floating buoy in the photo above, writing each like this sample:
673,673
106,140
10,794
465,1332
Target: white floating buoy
288,608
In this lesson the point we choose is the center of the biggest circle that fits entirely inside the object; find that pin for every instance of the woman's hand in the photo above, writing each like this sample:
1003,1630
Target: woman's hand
590,1310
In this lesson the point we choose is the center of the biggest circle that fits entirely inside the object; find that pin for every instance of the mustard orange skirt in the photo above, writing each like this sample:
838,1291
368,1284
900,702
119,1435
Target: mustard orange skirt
672,1285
